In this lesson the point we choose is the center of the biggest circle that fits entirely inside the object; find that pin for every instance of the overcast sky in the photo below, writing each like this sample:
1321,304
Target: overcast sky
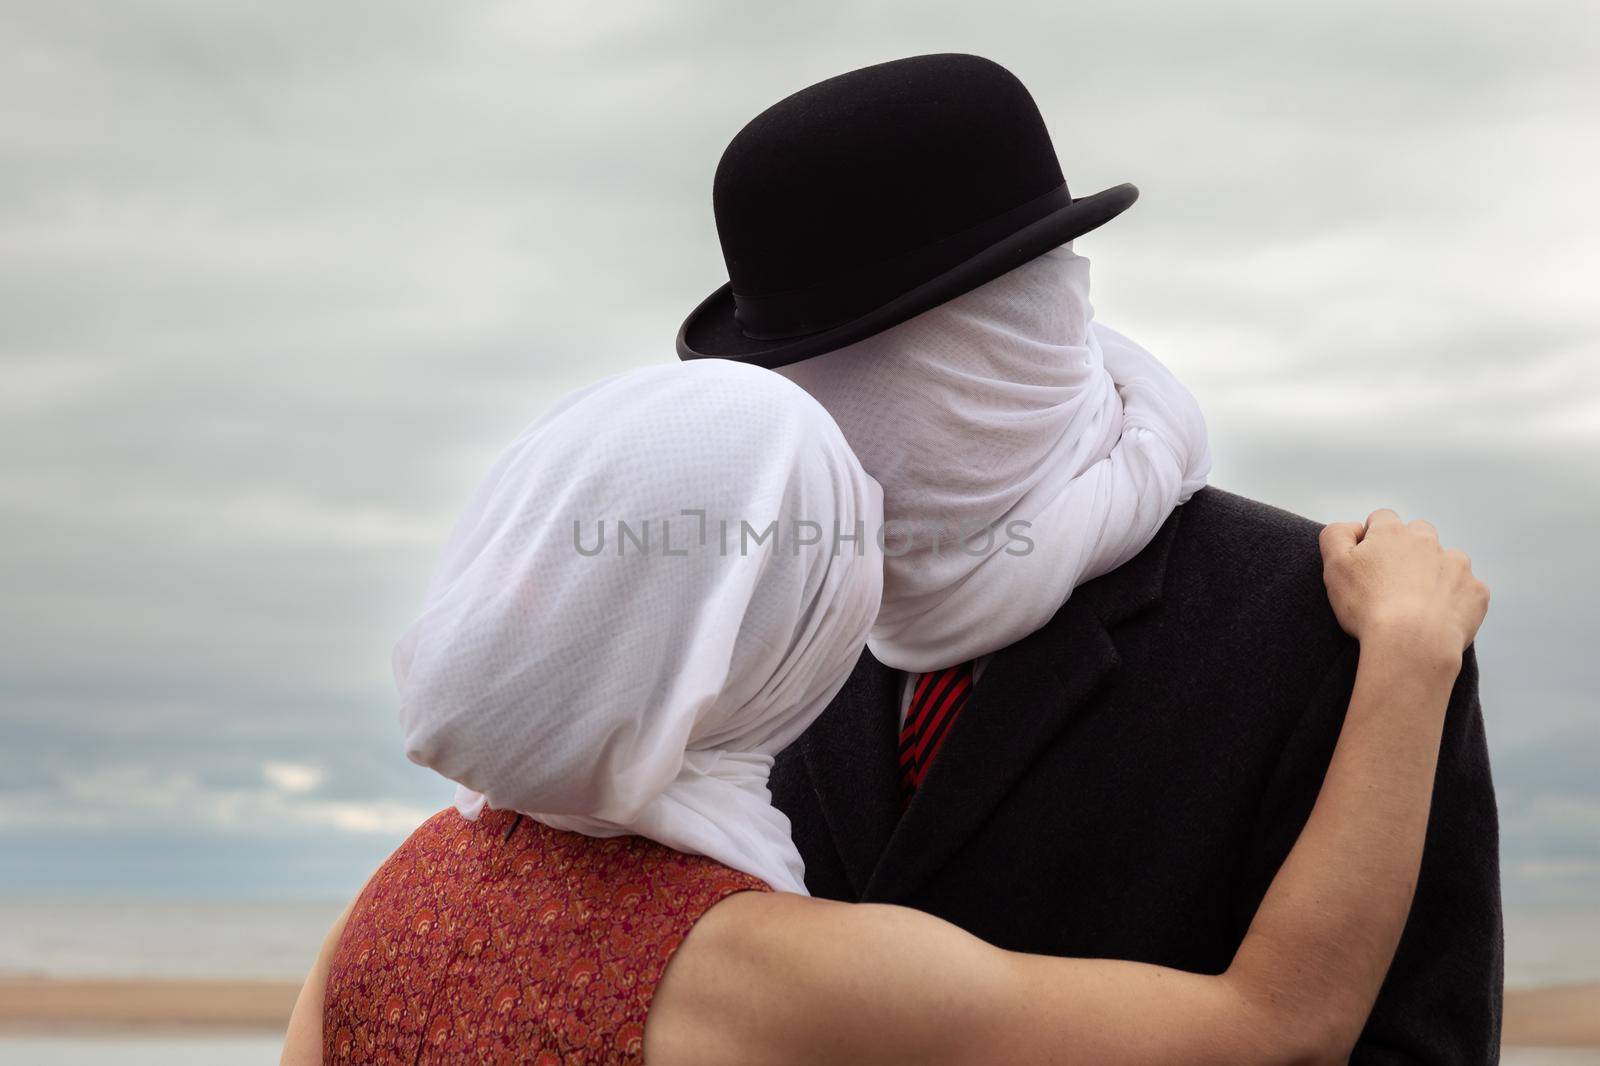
279,280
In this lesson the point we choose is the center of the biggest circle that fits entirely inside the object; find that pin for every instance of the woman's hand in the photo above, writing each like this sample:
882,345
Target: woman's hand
1390,580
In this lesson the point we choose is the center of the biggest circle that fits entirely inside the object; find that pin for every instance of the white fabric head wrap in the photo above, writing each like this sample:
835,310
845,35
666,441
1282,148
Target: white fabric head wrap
1007,410
646,692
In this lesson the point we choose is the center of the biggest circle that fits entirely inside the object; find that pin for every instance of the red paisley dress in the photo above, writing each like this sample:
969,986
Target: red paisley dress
506,941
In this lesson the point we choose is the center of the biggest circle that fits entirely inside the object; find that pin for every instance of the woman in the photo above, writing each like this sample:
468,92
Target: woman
634,698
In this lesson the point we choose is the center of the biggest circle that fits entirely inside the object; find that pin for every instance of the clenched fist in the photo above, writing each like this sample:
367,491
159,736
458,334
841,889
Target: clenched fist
1391,580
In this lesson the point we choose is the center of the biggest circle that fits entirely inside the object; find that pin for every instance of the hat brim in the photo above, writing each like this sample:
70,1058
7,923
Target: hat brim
712,332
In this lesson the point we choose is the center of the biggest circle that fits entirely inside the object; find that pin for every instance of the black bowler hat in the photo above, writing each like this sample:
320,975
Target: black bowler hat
871,197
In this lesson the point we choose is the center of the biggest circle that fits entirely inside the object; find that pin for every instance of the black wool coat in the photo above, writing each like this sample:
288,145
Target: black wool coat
1125,782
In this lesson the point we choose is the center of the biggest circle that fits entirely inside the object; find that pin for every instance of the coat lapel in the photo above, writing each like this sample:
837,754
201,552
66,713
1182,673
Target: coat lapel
849,753
1026,696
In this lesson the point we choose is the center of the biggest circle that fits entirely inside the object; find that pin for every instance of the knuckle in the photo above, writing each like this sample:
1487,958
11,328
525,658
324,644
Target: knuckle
1333,534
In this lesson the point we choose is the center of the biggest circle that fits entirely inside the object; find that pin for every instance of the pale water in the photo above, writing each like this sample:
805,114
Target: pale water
277,941
140,1050
97,938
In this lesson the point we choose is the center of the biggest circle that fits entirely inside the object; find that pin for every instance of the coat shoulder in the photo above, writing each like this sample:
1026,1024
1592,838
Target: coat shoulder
1258,565
1250,524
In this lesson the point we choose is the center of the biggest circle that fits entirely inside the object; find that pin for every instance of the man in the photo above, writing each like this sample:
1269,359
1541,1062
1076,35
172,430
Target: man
1099,699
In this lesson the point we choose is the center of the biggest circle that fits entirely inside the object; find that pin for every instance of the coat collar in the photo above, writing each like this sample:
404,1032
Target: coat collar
850,755
1029,692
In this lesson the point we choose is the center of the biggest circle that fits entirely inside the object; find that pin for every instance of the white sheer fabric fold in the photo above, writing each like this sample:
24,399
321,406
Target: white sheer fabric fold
1023,449
646,691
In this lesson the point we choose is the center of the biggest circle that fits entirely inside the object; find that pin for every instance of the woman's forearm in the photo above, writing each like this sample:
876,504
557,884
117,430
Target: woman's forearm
1355,864
774,977
786,980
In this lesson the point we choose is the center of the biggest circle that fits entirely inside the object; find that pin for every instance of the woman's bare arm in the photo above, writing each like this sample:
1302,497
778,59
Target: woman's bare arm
302,1044
784,979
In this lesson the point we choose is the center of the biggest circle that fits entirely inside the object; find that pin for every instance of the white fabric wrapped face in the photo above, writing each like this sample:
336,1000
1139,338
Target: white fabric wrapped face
1022,448
632,690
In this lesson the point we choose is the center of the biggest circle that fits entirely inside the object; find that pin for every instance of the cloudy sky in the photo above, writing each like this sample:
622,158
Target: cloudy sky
279,280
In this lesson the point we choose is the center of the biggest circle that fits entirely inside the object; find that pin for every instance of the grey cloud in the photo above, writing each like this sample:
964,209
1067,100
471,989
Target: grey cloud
279,282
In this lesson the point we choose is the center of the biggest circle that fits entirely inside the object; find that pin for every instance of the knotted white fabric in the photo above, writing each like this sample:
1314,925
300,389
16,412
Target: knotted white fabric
644,688
1023,449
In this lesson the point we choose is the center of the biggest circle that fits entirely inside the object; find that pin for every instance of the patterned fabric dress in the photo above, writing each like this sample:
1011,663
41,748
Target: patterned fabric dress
506,941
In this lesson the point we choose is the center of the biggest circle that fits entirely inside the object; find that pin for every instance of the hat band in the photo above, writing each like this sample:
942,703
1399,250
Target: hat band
798,312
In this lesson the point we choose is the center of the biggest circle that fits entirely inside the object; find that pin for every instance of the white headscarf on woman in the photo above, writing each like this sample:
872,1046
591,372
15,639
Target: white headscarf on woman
1022,448
646,689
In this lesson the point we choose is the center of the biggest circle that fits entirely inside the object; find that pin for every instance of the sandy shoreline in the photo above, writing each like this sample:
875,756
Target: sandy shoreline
54,1004
1554,1016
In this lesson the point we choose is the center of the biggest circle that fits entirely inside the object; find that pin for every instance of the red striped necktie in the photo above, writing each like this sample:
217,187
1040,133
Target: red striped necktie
935,701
